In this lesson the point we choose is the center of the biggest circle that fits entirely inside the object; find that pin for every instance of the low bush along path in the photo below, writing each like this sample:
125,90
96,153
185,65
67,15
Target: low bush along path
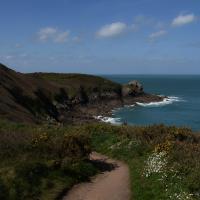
113,183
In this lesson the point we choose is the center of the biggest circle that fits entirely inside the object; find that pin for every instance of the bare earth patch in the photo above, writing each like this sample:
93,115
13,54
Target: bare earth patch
113,183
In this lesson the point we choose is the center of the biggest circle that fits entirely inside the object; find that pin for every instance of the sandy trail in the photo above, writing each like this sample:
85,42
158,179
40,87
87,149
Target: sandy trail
113,184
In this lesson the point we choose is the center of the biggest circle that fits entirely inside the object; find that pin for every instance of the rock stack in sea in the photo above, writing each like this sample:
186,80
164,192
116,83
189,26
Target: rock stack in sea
133,88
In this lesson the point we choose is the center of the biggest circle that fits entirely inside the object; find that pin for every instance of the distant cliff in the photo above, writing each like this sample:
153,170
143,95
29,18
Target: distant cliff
53,97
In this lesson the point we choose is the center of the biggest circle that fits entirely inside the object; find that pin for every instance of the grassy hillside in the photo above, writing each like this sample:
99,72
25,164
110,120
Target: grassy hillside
164,162
73,82
45,97
43,161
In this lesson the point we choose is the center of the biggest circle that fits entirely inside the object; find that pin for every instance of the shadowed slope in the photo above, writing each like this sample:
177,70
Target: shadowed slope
68,98
32,97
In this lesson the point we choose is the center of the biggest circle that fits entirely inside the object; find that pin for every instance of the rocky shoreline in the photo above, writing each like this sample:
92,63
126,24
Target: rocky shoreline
64,98
132,93
90,112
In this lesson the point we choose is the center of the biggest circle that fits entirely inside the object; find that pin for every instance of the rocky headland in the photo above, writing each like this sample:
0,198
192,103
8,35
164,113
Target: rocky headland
64,98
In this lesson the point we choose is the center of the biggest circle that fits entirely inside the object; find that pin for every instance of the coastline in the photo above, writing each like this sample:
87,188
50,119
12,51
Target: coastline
157,101
103,111
66,98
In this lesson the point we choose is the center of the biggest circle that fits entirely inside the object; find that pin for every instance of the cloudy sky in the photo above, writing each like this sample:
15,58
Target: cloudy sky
101,36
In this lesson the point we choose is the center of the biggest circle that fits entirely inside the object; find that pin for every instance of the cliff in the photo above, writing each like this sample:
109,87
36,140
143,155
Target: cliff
39,97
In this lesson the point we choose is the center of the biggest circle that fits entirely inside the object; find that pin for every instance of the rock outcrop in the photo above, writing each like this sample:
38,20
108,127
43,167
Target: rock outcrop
133,88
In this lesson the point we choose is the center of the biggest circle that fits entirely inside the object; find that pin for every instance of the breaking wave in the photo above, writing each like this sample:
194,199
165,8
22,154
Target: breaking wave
166,101
111,120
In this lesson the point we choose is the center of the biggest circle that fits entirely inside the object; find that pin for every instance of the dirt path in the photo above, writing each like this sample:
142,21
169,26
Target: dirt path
112,184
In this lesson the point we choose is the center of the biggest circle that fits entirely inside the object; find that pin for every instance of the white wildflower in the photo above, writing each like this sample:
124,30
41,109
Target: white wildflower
156,163
181,196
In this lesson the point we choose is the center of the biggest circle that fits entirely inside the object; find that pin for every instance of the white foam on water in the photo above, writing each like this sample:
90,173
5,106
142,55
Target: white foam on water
166,101
129,106
111,120
117,121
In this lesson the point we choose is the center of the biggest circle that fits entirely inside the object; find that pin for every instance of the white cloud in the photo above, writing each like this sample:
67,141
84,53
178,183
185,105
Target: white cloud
46,33
62,37
53,34
183,20
111,30
157,34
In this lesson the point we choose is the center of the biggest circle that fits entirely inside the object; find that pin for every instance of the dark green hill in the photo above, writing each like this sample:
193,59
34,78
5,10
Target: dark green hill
54,97
73,82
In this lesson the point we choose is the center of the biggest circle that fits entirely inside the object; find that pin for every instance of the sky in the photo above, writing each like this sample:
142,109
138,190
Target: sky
101,36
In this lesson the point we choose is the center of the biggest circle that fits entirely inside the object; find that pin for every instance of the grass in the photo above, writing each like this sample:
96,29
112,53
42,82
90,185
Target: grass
43,162
164,162
74,82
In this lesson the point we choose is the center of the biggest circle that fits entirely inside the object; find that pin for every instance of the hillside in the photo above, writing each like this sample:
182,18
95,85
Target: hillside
57,97
45,161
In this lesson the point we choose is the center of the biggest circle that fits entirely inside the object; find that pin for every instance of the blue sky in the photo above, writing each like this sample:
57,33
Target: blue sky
101,36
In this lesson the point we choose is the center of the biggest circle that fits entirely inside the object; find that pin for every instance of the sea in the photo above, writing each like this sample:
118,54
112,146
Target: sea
181,108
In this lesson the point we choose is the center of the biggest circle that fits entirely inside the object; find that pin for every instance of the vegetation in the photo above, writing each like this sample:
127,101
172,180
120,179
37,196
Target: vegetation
43,162
164,161
73,82
41,97
76,79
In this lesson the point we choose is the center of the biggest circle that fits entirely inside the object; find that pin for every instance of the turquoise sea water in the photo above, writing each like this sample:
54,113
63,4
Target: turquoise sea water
182,108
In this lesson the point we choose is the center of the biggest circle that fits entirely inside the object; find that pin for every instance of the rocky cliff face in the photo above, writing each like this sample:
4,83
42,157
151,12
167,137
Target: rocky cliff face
60,97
